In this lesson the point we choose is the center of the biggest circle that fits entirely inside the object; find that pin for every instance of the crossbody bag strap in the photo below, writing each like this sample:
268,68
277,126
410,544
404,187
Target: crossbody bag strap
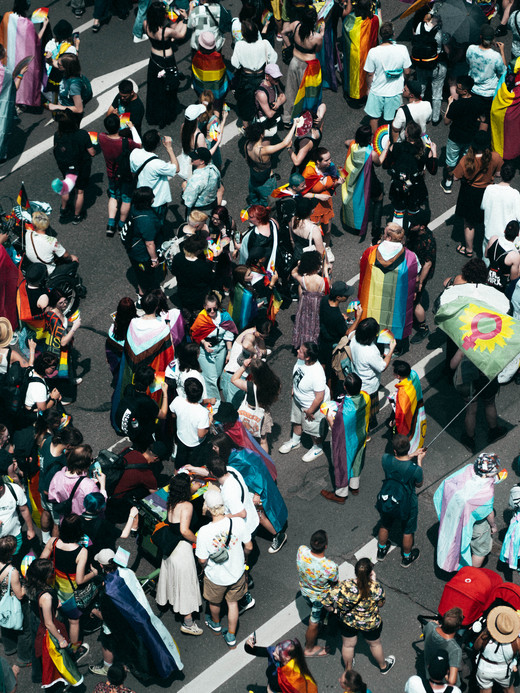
138,172
226,545
212,16
36,252
242,493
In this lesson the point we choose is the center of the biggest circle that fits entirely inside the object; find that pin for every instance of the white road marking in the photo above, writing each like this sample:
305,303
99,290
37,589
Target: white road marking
272,631
426,364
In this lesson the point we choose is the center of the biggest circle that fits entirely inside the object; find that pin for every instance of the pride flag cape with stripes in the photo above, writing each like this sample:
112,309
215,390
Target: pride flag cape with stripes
505,114
355,191
20,40
349,435
359,36
309,94
386,289
58,665
291,679
209,72
410,417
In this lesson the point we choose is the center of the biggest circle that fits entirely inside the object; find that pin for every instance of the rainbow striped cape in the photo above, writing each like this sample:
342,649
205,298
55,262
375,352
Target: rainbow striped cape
461,500
359,36
209,72
291,679
349,435
410,417
243,307
37,324
204,325
20,39
386,289
58,665
309,94
355,191
505,114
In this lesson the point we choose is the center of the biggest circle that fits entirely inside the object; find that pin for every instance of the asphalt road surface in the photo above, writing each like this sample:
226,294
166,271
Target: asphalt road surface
106,58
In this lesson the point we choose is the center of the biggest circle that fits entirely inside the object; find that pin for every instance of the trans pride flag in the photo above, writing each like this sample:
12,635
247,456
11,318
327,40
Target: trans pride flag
505,114
359,36
209,72
386,289
410,417
309,94
20,40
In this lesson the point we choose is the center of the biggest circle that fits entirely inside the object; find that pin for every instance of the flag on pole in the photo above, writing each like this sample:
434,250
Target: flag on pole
490,340
22,200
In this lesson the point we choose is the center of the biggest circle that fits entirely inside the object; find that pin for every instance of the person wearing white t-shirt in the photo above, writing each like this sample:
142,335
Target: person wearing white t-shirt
223,579
12,499
309,390
38,398
500,204
386,66
192,424
418,110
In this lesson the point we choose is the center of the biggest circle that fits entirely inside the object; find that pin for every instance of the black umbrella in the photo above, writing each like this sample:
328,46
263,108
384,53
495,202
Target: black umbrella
460,19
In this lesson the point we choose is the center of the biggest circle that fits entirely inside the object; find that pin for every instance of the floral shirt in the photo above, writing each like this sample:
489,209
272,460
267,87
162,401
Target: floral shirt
354,611
316,574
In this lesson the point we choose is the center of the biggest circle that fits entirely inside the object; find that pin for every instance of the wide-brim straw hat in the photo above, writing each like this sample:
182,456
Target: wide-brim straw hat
503,624
6,332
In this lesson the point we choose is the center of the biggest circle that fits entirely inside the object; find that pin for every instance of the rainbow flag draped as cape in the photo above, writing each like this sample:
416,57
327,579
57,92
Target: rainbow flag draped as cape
37,324
243,307
309,94
8,285
349,435
410,417
359,36
355,191
209,72
461,500
489,339
20,40
204,325
58,665
505,114
291,679
386,289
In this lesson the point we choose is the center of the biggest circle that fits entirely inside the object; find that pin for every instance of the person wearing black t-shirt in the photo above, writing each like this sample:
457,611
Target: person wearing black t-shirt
194,274
127,101
463,118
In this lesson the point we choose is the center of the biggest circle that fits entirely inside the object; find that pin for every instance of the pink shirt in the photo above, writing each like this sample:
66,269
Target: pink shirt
61,487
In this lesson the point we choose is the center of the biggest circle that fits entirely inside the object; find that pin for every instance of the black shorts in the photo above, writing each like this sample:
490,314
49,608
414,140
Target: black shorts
82,171
409,526
369,635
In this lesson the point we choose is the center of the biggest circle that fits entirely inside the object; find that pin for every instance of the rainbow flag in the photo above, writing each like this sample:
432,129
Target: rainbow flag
274,305
355,191
359,36
349,435
410,417
309,94
291,679
124,119
39,15
386,289
489,339
204,325
58,665
243,307
209,72
505,114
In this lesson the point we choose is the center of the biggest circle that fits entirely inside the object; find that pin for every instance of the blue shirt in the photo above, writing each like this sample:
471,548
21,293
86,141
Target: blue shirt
154,175
485,66
202,187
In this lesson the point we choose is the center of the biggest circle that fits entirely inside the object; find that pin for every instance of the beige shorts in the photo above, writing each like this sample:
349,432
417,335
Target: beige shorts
310,427
215,594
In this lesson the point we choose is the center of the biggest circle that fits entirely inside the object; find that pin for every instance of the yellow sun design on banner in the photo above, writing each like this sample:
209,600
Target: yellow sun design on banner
484,328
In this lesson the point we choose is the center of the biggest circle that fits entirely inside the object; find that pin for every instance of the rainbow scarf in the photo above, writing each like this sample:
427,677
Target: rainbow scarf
309,94
359,36
505,114
243,307
386,289
57,664
461,500
20,39
410,417
355,191
209,72
349,435
204,325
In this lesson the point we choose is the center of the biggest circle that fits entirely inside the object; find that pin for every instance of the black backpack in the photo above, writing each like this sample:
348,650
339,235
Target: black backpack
424,48
122,170
64,507
113,466
13,386
129,237
395,497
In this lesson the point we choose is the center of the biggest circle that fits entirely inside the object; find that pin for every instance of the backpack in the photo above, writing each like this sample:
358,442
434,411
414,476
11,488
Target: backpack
14,384
122,171
126,419
342,358
127,234
64,507
113,466
86,89
424,48
394,498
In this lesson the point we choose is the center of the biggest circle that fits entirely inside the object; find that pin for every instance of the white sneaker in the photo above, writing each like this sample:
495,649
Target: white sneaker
288,446
144,37
314,452
191,630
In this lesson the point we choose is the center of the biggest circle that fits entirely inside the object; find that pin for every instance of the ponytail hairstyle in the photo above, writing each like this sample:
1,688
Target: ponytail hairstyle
363,569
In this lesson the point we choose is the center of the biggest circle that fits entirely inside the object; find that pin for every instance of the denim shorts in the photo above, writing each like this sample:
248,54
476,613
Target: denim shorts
316,609
386,106
120,190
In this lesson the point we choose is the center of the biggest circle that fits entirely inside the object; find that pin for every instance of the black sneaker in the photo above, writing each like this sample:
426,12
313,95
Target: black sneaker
420,335
469,443
390,661
497,433
447,185
277,542
247,602
81,652
65,216
111,230
381,552
501,30
79,218
406,561
92,625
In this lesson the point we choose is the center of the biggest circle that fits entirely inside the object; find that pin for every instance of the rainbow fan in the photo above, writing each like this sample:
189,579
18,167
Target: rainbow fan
124,119
39,15
93,138
385,337
381,138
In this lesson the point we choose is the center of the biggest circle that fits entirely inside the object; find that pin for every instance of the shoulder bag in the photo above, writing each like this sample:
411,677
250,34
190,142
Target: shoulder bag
249,413
11,615
222,555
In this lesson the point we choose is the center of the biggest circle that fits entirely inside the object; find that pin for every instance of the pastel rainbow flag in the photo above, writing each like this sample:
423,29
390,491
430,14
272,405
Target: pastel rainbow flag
349,435
124,119
209,72
39,15
359,36
386,290
94,138
309,94
410,417
505,115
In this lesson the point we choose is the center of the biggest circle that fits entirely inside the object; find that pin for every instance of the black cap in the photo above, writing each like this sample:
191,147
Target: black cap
201,153
62,30
438,666
340,288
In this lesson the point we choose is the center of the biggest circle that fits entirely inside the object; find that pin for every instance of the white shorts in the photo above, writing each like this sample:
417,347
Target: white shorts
310,427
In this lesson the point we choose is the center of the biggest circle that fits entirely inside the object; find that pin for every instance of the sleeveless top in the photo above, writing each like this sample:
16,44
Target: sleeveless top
499,274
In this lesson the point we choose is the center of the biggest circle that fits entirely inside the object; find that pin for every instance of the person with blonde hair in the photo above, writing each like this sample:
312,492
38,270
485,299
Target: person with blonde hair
43,248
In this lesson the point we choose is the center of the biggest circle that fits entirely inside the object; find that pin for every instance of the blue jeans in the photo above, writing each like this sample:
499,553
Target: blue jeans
142,7
212,366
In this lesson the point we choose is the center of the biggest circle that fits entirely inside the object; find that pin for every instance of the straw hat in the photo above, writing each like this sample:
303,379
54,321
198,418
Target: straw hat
6,332
503,624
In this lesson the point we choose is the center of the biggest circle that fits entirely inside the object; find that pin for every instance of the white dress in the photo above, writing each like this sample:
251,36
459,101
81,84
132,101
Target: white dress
178,584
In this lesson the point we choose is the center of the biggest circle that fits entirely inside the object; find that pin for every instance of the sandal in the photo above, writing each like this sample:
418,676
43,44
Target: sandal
322,652
462,250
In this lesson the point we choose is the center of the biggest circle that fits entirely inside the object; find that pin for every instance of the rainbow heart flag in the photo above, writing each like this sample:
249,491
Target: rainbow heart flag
39,15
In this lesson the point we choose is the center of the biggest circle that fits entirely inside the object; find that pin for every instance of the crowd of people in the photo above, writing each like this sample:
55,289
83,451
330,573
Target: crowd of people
189,357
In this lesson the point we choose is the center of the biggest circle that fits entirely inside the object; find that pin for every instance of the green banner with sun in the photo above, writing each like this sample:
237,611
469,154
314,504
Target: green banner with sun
490,340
